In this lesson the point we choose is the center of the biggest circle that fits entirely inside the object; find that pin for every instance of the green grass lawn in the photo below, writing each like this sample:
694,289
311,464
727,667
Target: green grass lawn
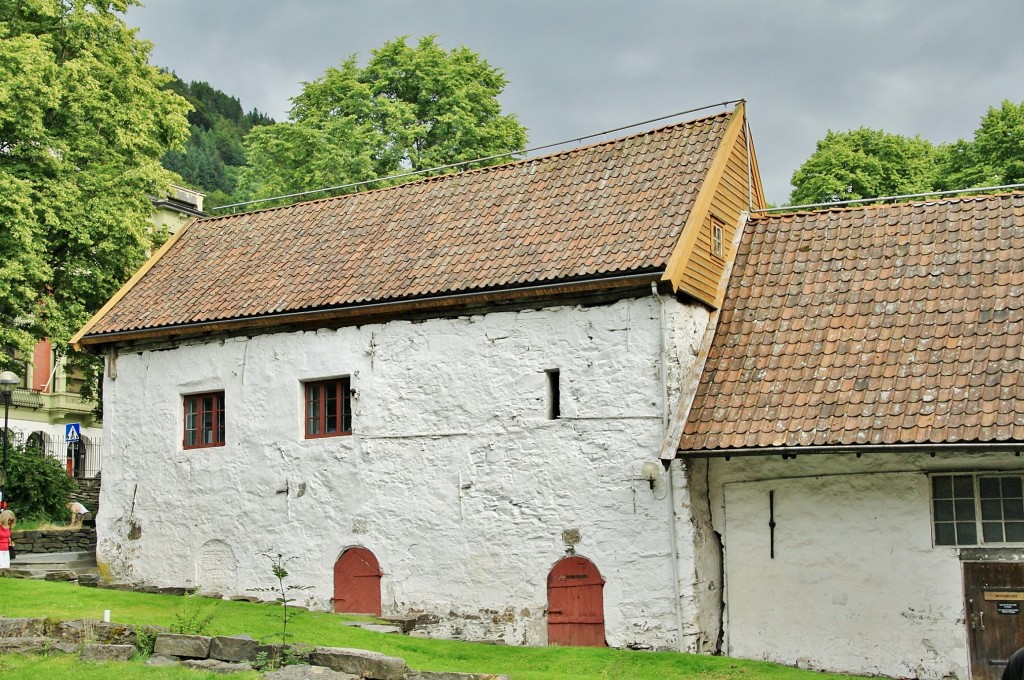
24,598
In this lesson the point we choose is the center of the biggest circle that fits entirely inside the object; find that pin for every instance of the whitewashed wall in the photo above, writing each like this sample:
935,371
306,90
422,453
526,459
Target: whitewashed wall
454,478
856,585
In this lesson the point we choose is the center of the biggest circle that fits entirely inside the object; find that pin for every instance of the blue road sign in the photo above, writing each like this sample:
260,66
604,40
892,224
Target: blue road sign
73,432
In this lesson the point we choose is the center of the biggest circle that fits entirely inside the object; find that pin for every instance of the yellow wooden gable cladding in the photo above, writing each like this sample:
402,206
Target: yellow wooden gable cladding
731,188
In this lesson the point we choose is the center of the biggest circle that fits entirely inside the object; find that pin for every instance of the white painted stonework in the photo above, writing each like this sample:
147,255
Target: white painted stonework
855,584
454,477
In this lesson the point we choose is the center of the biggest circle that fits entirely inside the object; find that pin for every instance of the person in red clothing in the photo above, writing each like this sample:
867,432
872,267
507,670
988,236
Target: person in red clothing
7,521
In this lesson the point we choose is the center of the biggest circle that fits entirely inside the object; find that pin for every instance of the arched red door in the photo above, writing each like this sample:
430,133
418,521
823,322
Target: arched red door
575,604
357,583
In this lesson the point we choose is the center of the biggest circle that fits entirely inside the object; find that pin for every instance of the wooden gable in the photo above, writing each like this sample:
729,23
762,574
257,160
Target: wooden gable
731,188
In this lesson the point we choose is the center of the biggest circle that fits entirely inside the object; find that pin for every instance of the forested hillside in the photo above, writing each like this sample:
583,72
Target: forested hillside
213,153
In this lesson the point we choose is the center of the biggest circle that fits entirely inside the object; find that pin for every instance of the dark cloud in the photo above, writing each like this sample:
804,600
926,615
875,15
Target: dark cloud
576,67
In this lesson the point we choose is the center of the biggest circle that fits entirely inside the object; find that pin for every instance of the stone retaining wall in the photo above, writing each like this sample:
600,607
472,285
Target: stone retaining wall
88,493
54,541
96,640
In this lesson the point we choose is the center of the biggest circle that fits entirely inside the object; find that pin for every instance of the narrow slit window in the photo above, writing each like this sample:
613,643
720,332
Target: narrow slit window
554,395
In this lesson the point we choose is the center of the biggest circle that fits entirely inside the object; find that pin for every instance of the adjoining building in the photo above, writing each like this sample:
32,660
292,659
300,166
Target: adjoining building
856,440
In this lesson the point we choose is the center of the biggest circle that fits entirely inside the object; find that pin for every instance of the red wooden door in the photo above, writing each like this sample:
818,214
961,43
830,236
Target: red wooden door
994,594
575,604
357,583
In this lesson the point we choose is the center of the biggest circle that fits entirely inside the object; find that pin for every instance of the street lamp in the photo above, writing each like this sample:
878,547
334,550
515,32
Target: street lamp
8,381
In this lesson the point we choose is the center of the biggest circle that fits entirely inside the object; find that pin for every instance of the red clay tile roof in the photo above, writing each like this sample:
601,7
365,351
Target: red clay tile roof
607,209
892,324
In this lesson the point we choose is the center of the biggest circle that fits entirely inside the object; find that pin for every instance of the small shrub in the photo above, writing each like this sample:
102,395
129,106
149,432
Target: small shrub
38,486
194,616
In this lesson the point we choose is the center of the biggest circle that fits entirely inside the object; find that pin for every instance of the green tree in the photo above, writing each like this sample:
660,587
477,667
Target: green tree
994,157
84,121
865,163
411,107
213,153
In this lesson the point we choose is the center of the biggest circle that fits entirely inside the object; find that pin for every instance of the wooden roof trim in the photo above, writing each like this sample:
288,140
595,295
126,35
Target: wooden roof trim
377,312
675,268
76,340
755,171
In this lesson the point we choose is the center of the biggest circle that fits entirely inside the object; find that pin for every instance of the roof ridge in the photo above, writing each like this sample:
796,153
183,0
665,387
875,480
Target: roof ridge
825,209
488,168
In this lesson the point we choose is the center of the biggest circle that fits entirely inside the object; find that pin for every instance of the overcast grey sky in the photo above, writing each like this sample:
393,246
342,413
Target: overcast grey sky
578,67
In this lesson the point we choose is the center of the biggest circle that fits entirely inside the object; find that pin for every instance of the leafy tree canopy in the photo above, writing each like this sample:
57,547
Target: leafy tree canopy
411,107
84,120
996,155
868,163
864,163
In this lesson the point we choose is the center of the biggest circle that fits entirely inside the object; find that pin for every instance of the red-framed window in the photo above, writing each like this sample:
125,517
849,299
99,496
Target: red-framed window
328,408
204,420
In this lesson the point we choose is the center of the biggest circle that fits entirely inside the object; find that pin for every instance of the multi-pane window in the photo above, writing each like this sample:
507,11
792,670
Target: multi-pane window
328,408
717,237
978,509
204,420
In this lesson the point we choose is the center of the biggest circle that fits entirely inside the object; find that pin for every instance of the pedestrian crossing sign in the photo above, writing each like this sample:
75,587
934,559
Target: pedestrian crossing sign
72,432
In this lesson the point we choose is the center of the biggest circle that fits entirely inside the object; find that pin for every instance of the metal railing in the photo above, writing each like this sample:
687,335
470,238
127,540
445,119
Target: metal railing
82,459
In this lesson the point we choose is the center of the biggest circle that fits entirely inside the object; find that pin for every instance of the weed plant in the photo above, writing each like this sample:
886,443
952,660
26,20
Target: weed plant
194,615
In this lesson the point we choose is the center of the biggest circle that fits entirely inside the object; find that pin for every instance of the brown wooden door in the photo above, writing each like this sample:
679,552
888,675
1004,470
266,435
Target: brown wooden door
575,604
357,583
994,602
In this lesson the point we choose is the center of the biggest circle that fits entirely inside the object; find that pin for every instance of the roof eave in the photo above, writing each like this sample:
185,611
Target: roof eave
376,312
1014,446
77,341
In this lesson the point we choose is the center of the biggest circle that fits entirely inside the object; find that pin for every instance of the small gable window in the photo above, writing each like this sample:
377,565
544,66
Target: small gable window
204,420
717,237
328,408
978,509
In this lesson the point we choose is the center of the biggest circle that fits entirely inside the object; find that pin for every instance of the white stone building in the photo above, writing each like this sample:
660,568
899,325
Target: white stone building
436,399
856,440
